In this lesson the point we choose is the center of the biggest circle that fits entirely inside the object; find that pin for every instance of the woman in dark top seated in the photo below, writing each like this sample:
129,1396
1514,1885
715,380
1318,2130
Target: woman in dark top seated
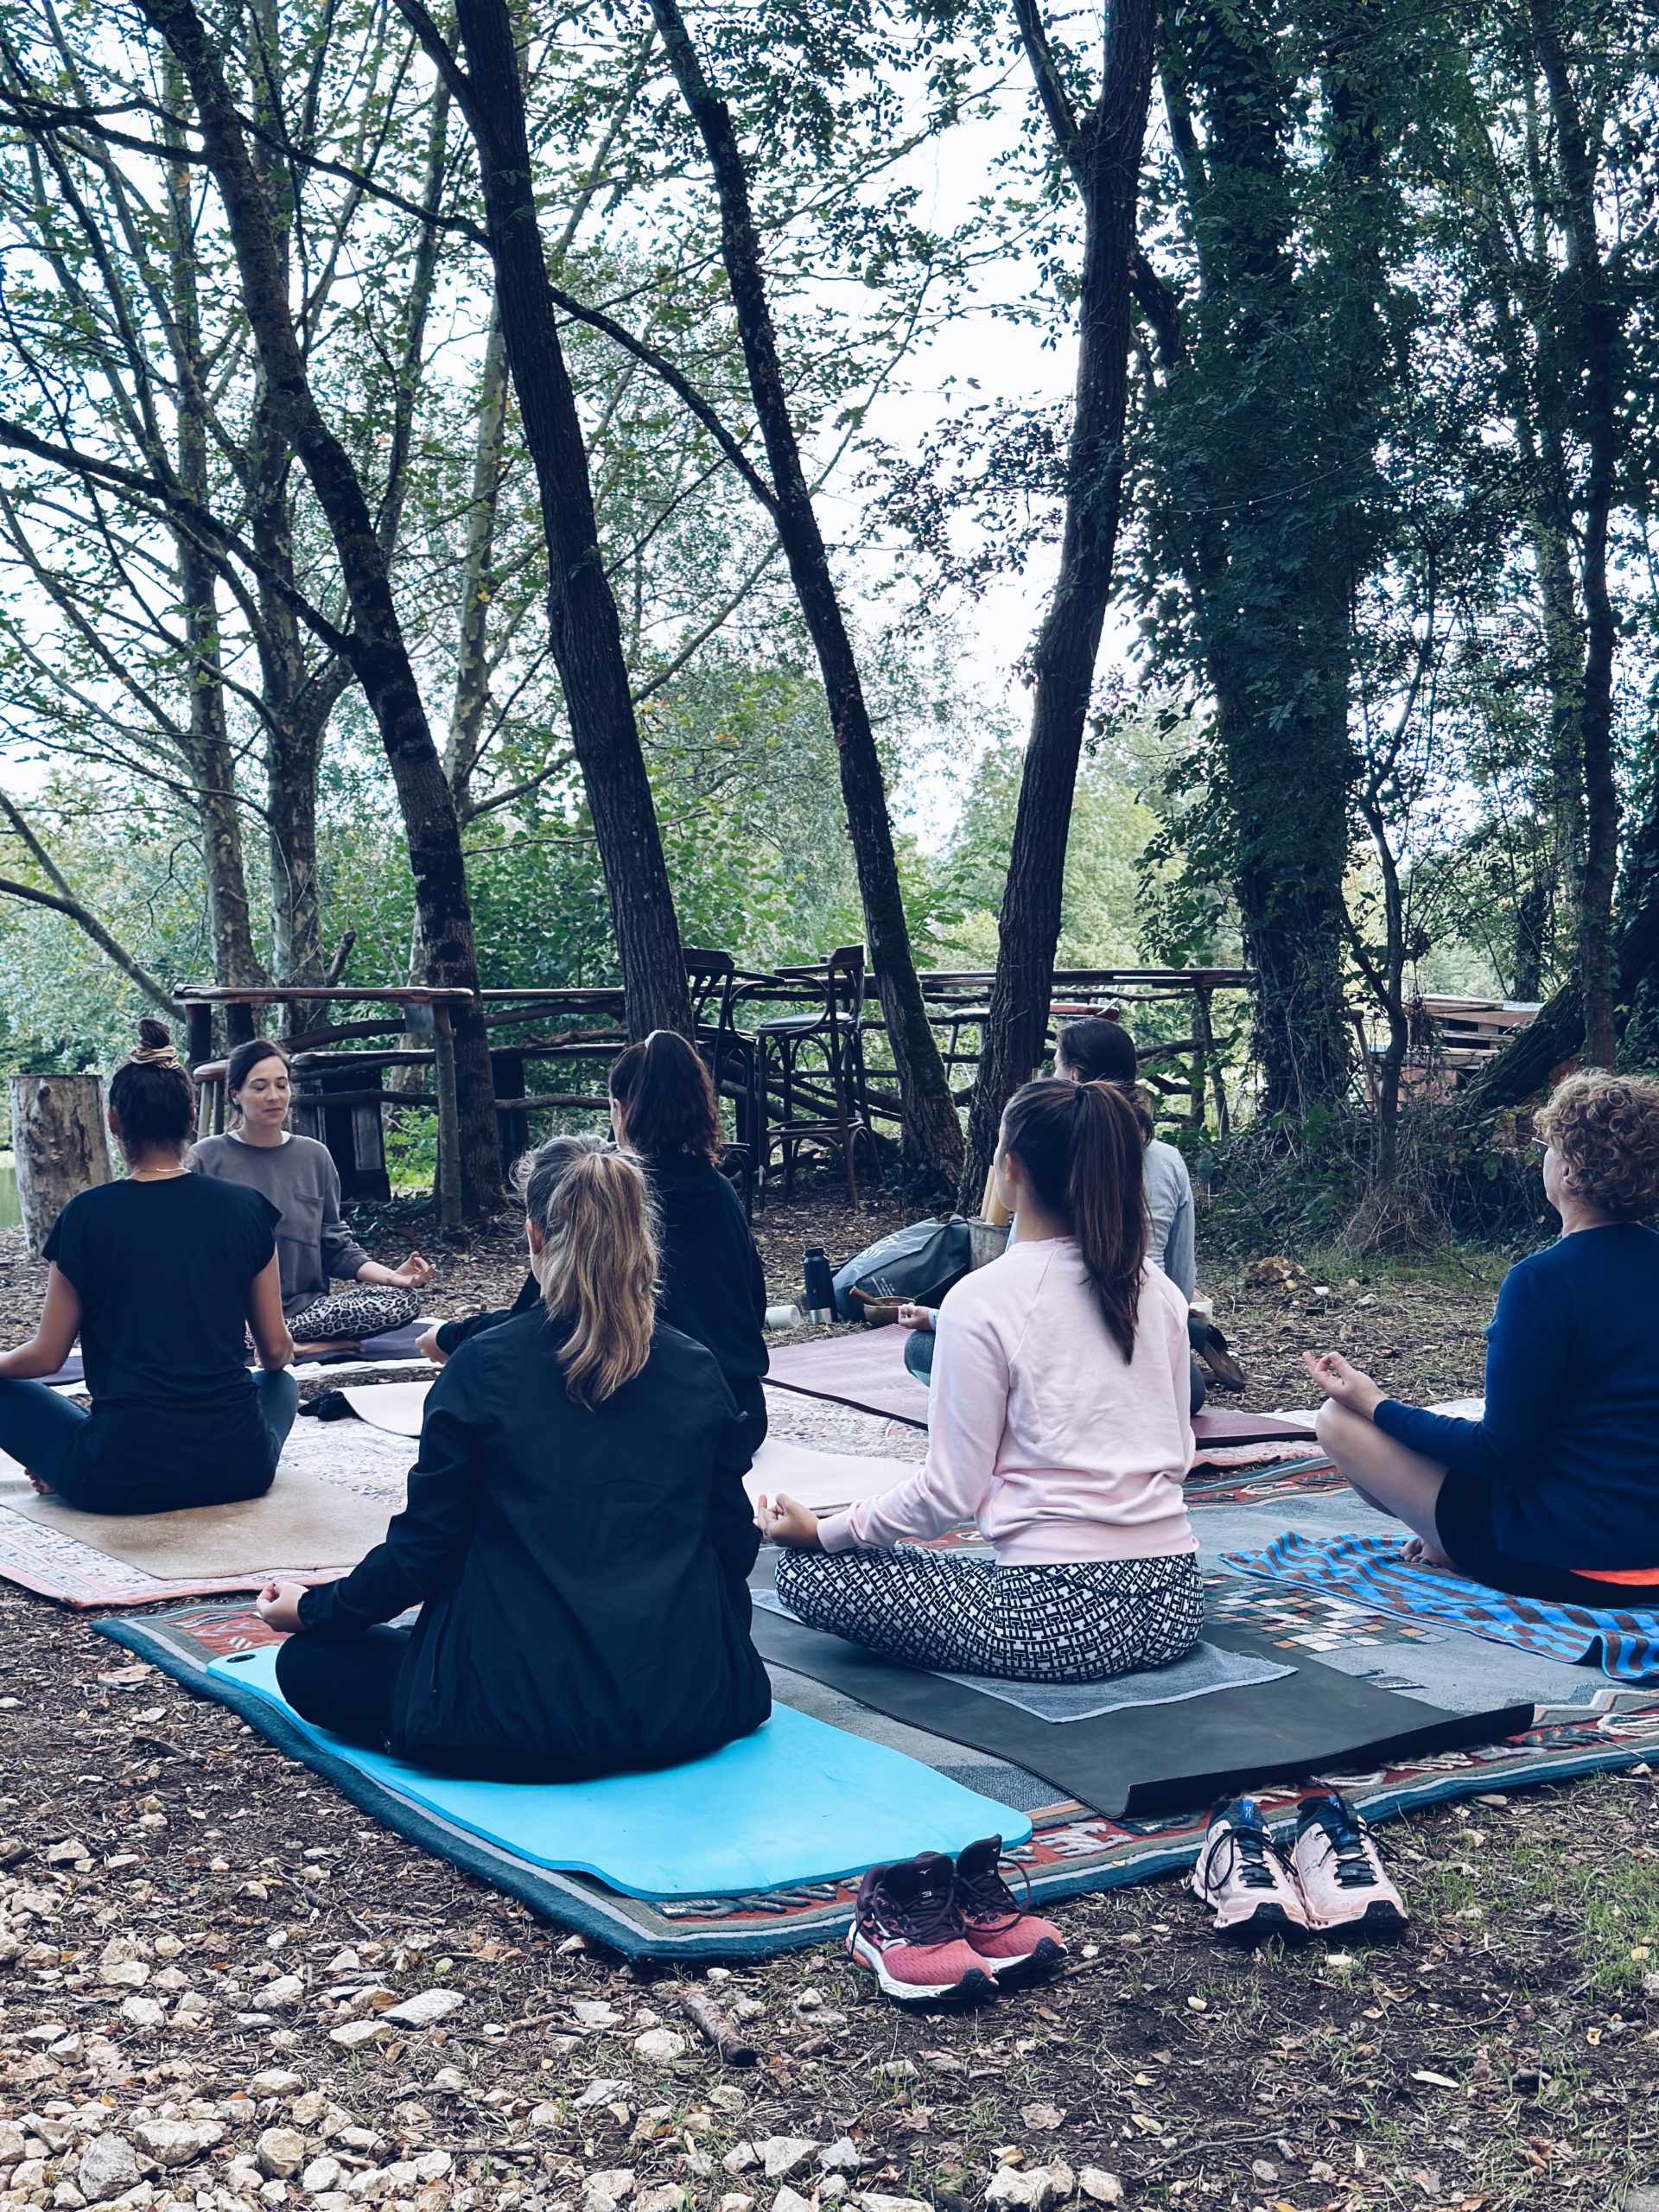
664,1109
159,1275
577,1536
1554,1492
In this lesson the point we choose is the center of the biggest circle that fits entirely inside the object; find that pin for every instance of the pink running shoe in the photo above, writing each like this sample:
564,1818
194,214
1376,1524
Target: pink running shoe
1339,1873
1242,1875
1015,1945
908,1931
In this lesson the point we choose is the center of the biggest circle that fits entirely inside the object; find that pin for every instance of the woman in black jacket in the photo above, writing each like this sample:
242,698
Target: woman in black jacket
663,1107
577,1536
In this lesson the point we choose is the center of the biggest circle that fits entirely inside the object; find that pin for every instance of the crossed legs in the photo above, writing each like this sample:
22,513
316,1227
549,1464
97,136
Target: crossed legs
1399,1483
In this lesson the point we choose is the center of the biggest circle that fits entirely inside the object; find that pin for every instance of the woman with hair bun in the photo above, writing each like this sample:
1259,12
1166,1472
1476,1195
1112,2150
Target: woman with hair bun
577,1537
1059,1427
160,1274
298,1175
663,1110
1553,1492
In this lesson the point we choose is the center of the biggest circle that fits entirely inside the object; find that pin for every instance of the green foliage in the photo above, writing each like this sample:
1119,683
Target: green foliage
1100,924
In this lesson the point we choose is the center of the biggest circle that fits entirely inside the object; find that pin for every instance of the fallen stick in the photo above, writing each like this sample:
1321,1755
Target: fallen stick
712,2023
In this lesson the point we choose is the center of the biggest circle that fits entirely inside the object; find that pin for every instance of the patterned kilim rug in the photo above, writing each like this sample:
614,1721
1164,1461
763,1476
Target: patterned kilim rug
1370,1571
1071,1850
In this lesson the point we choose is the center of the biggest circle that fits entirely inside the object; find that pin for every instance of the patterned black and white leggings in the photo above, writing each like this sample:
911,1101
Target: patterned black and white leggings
1081,1622
372,1310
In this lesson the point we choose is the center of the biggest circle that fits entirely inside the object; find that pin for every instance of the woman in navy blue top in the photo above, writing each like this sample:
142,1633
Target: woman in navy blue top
1554,1492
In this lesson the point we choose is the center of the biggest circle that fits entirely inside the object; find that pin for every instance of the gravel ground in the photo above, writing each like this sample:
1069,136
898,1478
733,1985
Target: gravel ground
202,1950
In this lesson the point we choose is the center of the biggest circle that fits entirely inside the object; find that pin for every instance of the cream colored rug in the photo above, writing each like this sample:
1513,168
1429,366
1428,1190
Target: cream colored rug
819,1479
336,1488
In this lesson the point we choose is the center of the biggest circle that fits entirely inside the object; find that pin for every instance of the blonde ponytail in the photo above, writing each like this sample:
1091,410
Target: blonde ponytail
598,1263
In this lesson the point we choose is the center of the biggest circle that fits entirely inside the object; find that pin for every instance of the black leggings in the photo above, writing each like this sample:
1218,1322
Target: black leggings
348,1684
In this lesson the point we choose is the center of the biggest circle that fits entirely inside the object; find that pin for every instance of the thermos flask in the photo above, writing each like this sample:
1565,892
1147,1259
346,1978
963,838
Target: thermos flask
820,1285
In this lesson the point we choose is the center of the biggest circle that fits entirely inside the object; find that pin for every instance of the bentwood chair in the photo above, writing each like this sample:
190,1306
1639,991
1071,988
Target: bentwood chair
810,1084
710,979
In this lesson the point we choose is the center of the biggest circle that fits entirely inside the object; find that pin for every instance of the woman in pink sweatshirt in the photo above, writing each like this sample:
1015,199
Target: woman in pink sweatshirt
1059,1427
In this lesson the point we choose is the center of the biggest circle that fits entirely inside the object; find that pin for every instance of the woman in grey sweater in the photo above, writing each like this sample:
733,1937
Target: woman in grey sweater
314,1246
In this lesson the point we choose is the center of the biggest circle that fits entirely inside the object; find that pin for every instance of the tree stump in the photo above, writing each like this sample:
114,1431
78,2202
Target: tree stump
58,1141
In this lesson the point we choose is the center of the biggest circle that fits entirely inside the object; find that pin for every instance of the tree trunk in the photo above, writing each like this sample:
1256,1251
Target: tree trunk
207,744
587,636
59,1144
1106,163
932,1133
293,757
477,574
378,652
1256,471
1289,786
1597,322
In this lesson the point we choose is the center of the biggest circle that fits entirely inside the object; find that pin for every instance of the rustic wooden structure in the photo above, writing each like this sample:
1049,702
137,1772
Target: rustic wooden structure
798,1053
59,1145
1452,1038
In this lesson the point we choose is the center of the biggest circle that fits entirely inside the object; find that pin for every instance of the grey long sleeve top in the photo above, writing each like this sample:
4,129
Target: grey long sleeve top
1169,1202
314,1246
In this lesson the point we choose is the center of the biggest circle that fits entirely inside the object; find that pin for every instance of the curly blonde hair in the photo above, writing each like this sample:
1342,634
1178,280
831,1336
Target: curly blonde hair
1606,1128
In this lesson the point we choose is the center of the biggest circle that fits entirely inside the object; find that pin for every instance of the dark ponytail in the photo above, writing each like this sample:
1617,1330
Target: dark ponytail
152,1098
1081,1146
668,1106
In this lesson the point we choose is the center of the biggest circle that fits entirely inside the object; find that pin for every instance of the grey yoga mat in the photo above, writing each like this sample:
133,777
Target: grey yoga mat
1204,1670
1144,1760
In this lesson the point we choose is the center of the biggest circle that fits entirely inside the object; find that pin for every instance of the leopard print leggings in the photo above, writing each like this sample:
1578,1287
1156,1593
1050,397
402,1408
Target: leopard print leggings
371,1310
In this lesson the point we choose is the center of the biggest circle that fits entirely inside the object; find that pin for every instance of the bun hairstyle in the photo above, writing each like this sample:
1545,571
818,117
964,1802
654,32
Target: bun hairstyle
1099,1050
598,1263
1606,1128
668,1107
151,1096
1080,1146
244,1060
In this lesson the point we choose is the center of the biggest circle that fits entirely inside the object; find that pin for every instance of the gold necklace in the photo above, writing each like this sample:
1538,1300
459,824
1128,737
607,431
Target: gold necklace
156,1174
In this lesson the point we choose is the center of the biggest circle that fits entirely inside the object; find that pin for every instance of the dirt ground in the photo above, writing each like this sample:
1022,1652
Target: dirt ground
196,1939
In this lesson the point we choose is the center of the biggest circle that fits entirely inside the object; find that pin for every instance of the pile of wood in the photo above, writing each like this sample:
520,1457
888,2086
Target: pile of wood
1452,1038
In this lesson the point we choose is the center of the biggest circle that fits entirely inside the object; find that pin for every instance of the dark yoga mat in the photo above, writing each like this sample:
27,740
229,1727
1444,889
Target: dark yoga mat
867,1370
1158,1758
396,1344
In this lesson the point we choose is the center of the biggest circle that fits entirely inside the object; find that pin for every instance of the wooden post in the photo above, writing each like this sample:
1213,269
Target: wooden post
59,1143
1211,1059
238,1024
448,1193
511,1128
199,1034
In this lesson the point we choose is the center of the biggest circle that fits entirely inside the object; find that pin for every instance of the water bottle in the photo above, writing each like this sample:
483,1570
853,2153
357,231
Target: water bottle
820,1285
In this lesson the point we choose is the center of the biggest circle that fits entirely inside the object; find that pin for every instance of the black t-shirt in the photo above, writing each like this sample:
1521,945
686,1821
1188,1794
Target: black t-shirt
162,1271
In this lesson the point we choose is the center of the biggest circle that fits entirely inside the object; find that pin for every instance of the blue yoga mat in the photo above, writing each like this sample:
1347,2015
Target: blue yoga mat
795,1802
